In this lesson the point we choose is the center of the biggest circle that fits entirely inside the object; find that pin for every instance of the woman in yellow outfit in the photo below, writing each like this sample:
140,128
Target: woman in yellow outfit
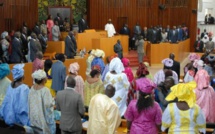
184,116
47,69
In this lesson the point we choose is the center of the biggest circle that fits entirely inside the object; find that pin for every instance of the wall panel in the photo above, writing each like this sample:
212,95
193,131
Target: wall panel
147,12
14,12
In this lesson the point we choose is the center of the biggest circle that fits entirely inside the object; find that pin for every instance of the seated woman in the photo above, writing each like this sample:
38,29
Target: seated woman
4,81
160,75
144,114
73,71
41,105
205,95
163,90
119,80
93,85
14,108
47,69
184,116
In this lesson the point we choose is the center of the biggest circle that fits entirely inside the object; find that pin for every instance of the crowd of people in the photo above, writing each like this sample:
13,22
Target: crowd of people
109,93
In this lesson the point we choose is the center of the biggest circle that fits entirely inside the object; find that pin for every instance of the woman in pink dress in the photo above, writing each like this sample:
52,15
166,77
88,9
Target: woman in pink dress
50,24
205,95
127,70
144,114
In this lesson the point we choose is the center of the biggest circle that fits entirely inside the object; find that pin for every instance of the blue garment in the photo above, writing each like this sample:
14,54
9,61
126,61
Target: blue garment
4,69
105,72
209,70
100,62
15,106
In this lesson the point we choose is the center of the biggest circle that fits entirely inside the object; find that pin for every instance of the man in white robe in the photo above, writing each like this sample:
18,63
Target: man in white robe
110,28
56,32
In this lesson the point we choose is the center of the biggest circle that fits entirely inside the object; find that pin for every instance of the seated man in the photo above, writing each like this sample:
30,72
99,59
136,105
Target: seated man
104,113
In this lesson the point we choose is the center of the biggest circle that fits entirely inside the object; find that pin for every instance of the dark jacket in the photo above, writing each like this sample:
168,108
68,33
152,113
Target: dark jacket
16,55
69,48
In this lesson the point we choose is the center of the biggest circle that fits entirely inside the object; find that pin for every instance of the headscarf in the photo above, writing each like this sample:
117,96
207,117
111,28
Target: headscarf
92,52
183,92
116,65
96,67
146,63
142,69
202,79
4,70
18,71
99,53
147,86
4,34
74,68
167,62
125,62
193,56
39,74
198,64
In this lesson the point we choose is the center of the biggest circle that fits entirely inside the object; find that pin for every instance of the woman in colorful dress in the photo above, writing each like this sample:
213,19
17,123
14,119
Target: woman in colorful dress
98,60
49,24
15,106
93,85
144,114
205,95
41,105
47,69
184,116
73,71
119,80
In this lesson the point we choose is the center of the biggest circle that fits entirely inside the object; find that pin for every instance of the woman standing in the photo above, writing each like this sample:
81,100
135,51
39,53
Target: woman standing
41,105
144,114
73,71
205,95
93,85
50,24
184,116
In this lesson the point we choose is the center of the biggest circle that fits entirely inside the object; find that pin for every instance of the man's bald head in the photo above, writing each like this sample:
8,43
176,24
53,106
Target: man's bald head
172,56
71,82
110,91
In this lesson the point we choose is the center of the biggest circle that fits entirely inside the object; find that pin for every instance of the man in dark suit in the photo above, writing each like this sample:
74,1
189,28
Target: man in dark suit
180,33
69,46
58,73
74,33
210,19
43,41
145,34
60,21
167,31
70,103
36,29
35,46
173,35
153,35
126,31
24,41
16,55
204,33
82,24
176,65
118,49
198,45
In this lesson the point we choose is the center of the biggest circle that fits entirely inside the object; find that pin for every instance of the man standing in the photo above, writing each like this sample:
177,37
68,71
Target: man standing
70,103
199,45
140,49
204,33
173,35
56,32
60,21
43,41
104,113
24,41
36,29
126,31
34,46
69,48
118,49
58,73
82,24
110,28
176,65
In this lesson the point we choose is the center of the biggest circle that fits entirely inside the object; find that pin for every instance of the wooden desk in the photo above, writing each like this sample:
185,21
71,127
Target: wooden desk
28,69
55,46
84,40
107,44
63,36
157,52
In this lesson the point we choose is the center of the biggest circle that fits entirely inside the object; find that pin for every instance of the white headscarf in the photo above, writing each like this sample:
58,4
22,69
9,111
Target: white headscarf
116,65
99,53
4,34
39,74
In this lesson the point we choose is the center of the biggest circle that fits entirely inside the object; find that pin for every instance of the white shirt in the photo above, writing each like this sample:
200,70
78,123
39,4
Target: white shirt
110,29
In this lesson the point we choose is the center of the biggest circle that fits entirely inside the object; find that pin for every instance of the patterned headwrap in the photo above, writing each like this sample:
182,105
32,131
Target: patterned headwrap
125,62
167,62
193,56
202,79
74,68
142,69
96,67
99,53
39,74
18,71
4,70
184,92
198,64
116,65
147,86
